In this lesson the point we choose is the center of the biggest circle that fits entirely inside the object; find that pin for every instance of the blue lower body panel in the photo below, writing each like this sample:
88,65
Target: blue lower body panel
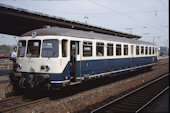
93,67
101,66
144,61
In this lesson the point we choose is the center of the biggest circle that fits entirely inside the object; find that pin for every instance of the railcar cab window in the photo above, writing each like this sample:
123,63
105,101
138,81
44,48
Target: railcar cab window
137,50
64,48
118,49
21,49
50,48
109,49
150,50
125,49
33,49
87,49
146,50
142,50
99,49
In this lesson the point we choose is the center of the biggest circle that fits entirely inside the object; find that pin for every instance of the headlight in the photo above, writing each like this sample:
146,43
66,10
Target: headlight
19,66
47,68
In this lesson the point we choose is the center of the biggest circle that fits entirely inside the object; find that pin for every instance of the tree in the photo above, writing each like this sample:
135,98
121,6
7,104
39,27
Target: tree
5,48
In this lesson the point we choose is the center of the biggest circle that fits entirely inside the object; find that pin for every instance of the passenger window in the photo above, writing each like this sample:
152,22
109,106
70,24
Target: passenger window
142,50
118,49
87,49
153,51
137,50
109,49
150,50
64,48
99,49
146,50
125,49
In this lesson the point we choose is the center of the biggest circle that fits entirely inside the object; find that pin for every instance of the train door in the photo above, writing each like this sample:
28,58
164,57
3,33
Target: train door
74,51
132,55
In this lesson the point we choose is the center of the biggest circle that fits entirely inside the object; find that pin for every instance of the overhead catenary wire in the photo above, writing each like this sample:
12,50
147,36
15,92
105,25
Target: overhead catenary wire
98,13
163,4
124,14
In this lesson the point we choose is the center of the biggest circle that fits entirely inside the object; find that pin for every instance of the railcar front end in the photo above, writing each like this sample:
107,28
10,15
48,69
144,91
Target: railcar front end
38,63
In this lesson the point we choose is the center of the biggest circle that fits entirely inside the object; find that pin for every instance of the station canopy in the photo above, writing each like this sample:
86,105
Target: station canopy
16,21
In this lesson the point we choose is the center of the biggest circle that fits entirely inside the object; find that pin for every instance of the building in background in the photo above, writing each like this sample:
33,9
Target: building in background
163,51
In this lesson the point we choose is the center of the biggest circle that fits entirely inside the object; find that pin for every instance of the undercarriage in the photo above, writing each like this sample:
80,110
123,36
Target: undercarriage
29,80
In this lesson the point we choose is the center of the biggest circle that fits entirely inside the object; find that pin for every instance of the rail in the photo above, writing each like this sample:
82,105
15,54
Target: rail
133,92
24,105
9,100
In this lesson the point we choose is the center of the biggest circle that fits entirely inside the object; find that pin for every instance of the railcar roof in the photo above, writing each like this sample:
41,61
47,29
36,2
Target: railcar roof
82,34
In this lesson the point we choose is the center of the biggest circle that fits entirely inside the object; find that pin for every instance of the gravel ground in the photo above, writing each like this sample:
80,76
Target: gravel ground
5,90
82,100
163,61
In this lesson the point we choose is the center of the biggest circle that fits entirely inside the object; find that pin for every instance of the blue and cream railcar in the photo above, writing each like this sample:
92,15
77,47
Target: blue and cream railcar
61,56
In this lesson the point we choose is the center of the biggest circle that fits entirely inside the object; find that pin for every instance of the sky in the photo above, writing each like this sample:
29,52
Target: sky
146,18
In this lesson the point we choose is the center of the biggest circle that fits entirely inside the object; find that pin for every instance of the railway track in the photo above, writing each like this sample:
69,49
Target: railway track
10,100
19,102
4,81
138,99
160,65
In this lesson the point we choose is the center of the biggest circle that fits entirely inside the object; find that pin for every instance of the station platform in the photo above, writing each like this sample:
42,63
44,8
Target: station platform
163,57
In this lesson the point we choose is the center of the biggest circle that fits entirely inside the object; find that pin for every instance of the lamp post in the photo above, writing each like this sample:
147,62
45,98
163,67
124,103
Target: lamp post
154,39
146,33
15,38
130,30
86,18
